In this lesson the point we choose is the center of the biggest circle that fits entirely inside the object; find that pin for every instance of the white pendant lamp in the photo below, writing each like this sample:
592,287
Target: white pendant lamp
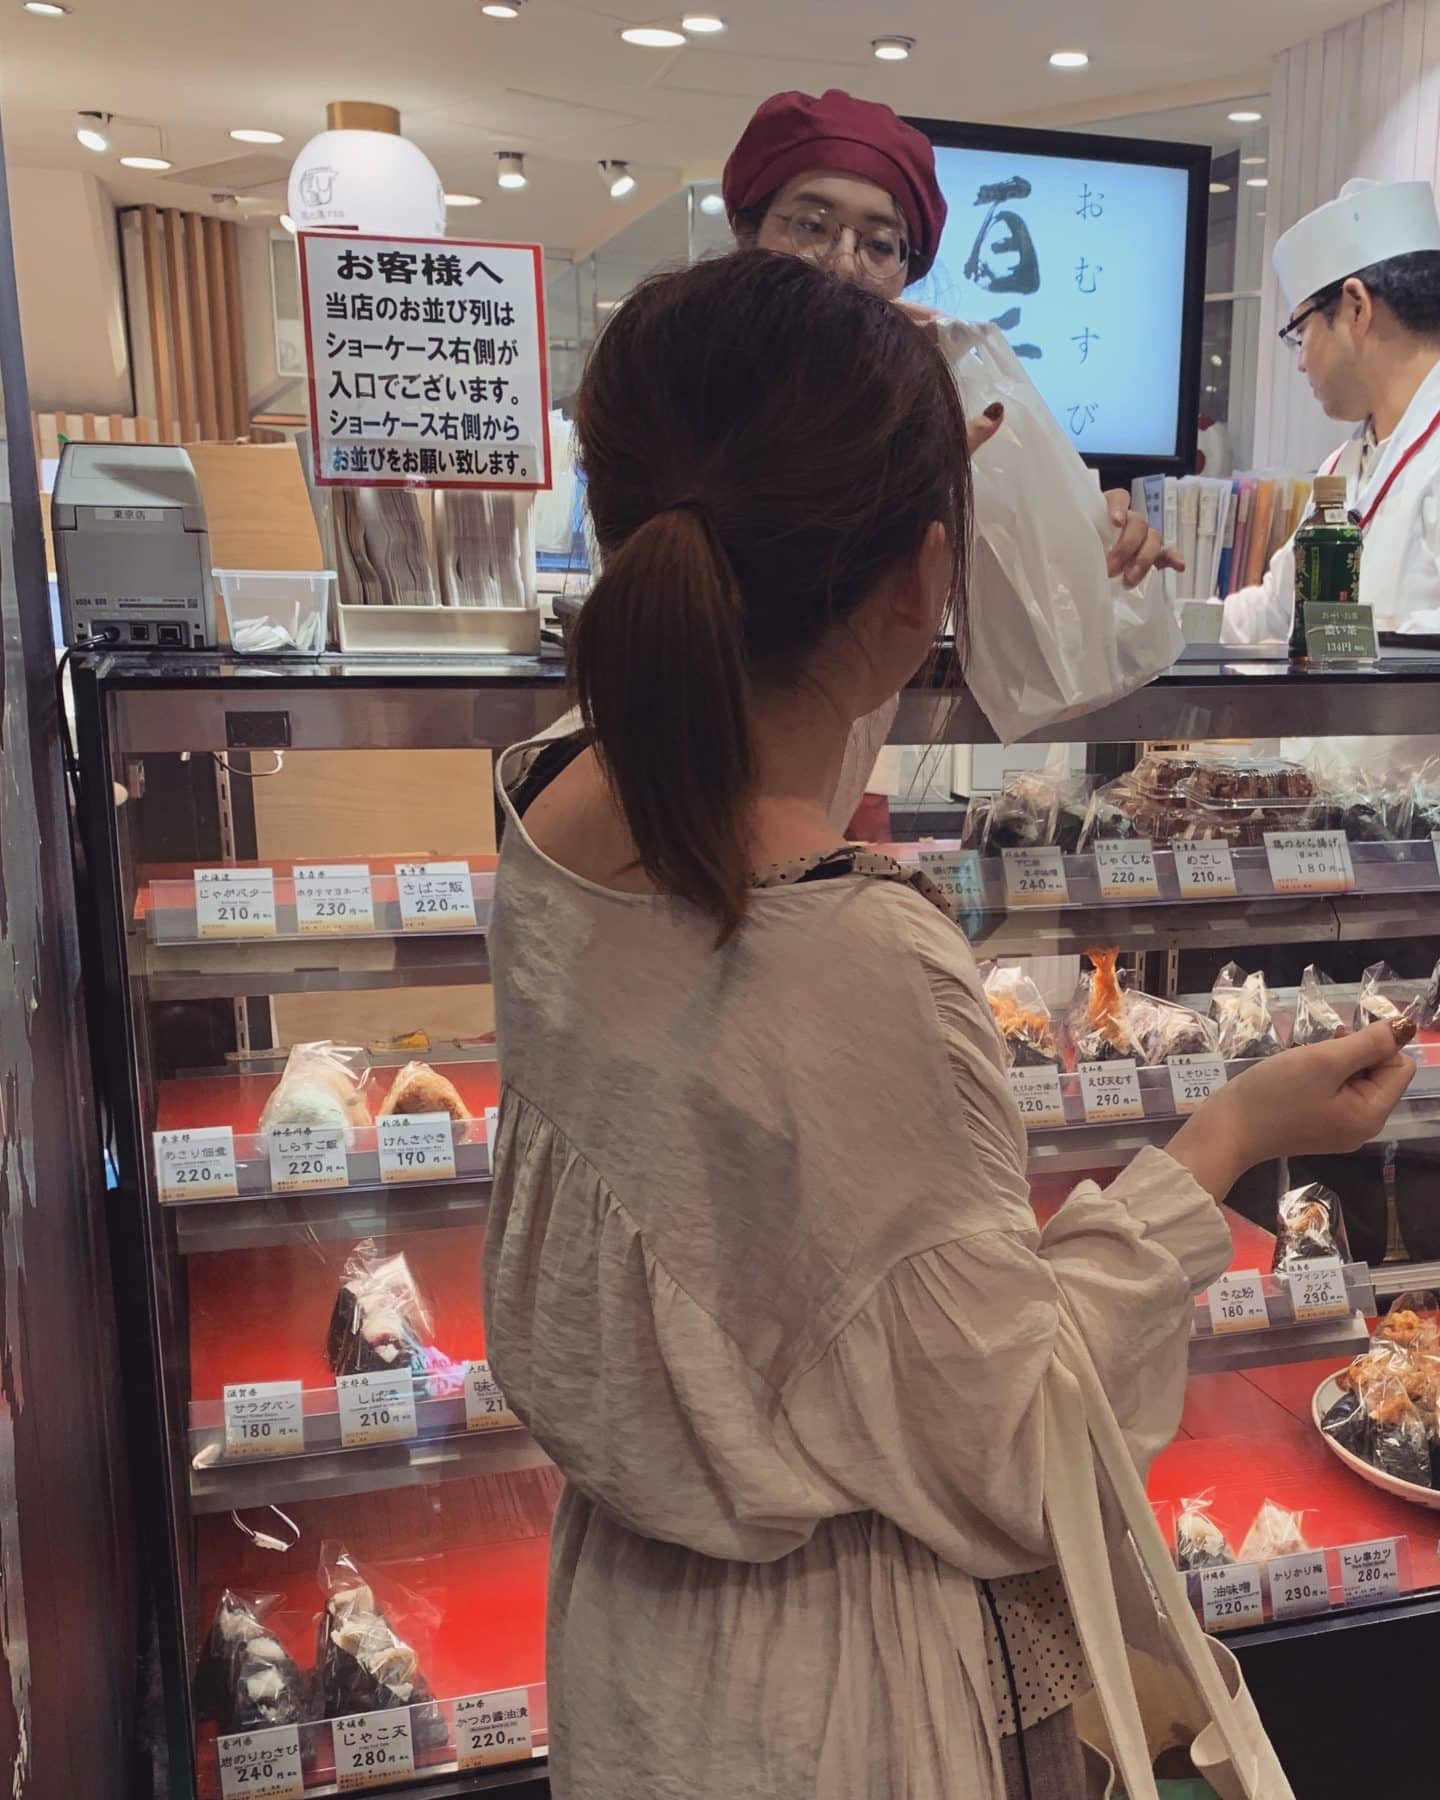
361,175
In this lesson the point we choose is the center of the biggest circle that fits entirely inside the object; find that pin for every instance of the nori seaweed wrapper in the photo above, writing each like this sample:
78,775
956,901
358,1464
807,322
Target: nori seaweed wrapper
245,1680
365,1666
1347,1424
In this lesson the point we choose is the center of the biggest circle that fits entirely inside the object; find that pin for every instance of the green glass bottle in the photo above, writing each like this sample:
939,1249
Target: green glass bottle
1327,558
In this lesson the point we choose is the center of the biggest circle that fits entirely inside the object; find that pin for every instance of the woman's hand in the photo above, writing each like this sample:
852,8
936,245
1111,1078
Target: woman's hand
1138,549
1324,1099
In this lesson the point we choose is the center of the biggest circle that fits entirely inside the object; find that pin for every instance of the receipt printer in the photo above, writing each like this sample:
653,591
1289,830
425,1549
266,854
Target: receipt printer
131,551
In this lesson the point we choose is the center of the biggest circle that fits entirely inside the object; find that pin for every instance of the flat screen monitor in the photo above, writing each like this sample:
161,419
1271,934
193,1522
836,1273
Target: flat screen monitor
1089,253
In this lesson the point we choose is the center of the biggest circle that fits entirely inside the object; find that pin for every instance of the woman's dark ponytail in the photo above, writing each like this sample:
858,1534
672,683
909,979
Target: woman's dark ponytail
662,677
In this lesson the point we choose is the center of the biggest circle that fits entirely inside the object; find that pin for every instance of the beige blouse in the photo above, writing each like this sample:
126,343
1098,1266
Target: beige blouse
762,1277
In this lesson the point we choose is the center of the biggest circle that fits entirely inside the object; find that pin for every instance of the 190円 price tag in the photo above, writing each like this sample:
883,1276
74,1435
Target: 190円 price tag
264,1418
307,1158
262,1765
234,903
1035,877
415,1147
373,1748
1237,1302
333,898
1369,1571
196,1164
376,1409
1309,862
435,896
1193,1079
1231,1596
1110,1090
492,1728
1204,870
1126,869
486,1408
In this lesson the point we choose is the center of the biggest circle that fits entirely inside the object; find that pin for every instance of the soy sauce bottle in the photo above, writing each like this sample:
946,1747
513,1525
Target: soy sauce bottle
1327,558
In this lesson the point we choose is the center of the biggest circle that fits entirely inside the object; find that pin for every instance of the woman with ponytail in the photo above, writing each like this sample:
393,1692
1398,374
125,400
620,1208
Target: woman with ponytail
761,1272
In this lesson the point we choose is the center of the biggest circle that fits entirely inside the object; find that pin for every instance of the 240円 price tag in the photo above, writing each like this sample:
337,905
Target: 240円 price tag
262,1765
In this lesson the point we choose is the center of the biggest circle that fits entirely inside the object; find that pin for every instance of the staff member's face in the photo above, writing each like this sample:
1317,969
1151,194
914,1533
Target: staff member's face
849,226
1331,349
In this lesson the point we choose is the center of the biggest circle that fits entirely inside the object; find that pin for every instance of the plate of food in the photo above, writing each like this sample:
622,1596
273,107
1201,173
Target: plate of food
1381,1414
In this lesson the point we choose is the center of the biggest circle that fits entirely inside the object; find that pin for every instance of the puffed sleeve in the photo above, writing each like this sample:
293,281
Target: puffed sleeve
929,1405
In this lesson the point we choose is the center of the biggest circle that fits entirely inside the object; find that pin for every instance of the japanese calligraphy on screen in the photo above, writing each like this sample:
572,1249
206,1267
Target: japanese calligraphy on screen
427,362
1082,265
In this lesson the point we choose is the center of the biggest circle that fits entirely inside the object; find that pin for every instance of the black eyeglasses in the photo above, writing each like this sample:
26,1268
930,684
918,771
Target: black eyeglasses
1293,331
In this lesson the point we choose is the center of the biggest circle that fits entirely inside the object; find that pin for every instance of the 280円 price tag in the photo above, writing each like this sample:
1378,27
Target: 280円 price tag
1035,877
333,898
1237,1302
307,1158
234,903
415,1147
1111,1090
373,1748
486,1408
1126,869
1231,1596
1309,862
1369,1571
492,1728
264,1418
376,1409
1204,870
262,1765
435,896
196,1164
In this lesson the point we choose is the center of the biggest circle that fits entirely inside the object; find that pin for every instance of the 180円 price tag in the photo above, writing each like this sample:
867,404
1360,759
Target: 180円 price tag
264,1418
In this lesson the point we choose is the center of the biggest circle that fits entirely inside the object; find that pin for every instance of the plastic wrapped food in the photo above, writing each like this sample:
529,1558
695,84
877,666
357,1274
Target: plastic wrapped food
1199,1541
322,1084
1309,1227
1316,1020
1108,814
1165,772
1022,814
1383,996
1413,1322
380,1322
1070,823
362,1662
1275,1532
418,1088
977,822
1430,1002
1162,1029
1396,1441
1096,1021
1249,781
245,1679
1023,1017
1240,1006
1345,1422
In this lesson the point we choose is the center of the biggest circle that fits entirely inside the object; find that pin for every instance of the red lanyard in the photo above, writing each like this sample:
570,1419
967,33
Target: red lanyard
1414,450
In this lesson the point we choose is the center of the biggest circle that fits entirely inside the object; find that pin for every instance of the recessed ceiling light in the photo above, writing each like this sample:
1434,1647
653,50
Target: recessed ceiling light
892,49
1219,187
712,204
1257,181
156,163
1069,59
1252,162
617,177
46,9
702,24
654,37
1245,118
246,136
288,223
464,200
501,9
93,131
512,168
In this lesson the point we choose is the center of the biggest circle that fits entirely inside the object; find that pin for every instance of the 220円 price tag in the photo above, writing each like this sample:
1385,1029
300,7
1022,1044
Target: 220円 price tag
1193,1079
307,1158
1126,869
492,1728
435,896
373,1748
262,1765
1038,1096
196,1164
264,1418
1231,1596
234,903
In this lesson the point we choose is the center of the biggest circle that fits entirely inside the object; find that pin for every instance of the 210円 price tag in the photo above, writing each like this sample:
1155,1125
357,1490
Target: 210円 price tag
234,903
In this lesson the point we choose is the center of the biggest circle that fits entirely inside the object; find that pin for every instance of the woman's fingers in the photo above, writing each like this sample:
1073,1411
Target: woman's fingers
980,428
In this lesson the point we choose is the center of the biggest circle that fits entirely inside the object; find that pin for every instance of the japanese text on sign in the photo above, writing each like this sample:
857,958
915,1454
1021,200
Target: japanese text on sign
1205,871
198,1164
373,1747
1126,870
1309,862
1193,1079
234,903
957,875
437,896
307,1158
1231,1596
492,1728
264,1418
1298,1584
1035,877
1370,1571
376,1409
427,362
1317,1290
415,1147
1037,1094
333,898
1111,1090
1237,1302
261,1765
486,1408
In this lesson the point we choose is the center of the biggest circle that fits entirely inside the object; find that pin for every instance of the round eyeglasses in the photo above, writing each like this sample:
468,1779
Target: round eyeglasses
819,235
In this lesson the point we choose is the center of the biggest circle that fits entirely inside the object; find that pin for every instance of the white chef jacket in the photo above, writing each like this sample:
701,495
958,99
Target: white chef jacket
1397,495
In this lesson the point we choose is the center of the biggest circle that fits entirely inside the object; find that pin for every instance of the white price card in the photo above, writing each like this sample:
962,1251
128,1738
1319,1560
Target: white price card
416,1147
1369,1571
262,1765
1231,1596
333,898
373,1748
435,896
1205,871
486,1408
957,875
304,1158
1110,1090
1298,1584
1035,877
1193,1079
1037,1094
198,1164
1309,862
1126,869
264,1418
1237,1302
376,1409
492,1728
1317,1290
234,903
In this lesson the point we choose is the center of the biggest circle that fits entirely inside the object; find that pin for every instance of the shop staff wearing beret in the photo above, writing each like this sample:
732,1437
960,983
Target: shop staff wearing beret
1362,277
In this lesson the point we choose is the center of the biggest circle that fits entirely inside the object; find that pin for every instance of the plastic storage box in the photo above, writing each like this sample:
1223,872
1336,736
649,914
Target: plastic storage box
276,612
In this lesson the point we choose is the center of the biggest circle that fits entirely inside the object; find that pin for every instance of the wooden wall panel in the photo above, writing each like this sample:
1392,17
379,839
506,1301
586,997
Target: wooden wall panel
239,381
202,326
195,322
177,295
162,354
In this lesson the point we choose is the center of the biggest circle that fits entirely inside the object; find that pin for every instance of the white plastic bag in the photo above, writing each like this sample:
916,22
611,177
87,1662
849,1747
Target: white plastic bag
1051,634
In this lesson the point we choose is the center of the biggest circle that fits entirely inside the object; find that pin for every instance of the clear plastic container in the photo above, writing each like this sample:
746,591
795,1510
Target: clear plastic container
276,612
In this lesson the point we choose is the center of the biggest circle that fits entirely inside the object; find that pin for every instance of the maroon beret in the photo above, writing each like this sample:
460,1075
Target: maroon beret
792,134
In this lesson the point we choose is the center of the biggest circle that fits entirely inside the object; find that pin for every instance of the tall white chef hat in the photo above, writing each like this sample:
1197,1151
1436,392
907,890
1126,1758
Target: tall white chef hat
1370,222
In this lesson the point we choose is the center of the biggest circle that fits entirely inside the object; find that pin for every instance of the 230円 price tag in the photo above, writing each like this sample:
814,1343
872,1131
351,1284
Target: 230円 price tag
1318,1291
956,873
1298,1584
333,898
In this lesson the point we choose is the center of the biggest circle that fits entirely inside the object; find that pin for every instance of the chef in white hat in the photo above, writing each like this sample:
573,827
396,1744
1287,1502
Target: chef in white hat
1362,278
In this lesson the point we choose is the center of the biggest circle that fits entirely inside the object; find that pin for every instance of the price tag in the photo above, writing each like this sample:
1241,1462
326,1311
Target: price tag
492,1728
1237,1302
416,1147
1110,1090
376,1409
485,1405
1369,1571
306,1157
1340,633
1309,862
1205,871
1126,869
1193,1079
1035,878
1318,1290
1231,1596
957,875
264,1418
234,903
435,896
1037,1094
198,1164
333,898
373,1748
262,1765
1298,1584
